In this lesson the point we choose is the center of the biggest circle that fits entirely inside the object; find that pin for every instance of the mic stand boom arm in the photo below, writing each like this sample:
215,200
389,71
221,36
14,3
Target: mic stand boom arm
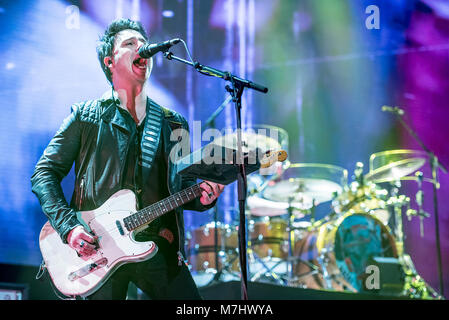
236,91
208,71
423,146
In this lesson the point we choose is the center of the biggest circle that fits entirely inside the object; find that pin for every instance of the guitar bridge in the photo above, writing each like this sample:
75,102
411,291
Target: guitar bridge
91,267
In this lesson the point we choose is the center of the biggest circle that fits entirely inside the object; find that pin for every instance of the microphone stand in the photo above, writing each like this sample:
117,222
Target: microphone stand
434,165
236,91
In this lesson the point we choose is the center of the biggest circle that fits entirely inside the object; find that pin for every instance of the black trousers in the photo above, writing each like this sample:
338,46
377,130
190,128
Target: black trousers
160,278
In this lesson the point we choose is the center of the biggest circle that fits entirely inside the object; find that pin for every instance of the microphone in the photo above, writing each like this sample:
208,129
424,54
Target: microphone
148,50
395,110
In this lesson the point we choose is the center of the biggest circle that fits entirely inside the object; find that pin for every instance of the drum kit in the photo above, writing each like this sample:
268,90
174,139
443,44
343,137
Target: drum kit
290,244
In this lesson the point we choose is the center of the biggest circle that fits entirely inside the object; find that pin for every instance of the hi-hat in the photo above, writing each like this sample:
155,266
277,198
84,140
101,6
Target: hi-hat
303,190
297,189
250,141
266,208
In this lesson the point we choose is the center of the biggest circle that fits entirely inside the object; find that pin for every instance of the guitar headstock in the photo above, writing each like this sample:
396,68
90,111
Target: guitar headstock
270,157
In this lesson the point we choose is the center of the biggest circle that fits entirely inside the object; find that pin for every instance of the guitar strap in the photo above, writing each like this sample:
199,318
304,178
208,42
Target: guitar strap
151,135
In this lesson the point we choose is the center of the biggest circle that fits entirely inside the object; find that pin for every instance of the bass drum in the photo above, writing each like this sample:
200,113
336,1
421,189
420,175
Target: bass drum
335,255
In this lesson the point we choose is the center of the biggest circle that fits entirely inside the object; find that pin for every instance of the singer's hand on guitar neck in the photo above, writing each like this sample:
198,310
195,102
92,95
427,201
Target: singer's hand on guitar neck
210,192
82,241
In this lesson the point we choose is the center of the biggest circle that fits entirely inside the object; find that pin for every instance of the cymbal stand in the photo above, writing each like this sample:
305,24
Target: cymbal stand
291,277
435,165
291,236
419,199
416,285
397,201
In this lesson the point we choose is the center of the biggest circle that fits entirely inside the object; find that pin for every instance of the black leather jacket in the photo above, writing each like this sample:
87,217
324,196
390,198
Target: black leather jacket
95,137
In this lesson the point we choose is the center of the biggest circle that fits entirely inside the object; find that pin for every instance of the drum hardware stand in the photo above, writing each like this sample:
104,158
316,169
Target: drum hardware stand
413,280
226,265
312,212
358,174
291,259
310,273
416,284
435,164
419,198
315,270
416,287
323,260
256,257
236,91
291,236
396,202
218,266
268,271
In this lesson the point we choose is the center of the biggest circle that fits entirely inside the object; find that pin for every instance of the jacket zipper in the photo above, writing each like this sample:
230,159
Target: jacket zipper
80,201
180,258
90,173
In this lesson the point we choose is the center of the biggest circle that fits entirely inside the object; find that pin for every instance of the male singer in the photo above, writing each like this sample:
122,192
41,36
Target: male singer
122,141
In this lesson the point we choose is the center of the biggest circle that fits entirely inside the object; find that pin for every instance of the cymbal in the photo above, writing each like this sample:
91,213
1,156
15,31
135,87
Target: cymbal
302,190
317,184
393,165
266,208
250,141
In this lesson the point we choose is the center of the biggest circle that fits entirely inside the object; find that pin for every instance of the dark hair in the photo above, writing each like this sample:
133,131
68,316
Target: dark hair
106,43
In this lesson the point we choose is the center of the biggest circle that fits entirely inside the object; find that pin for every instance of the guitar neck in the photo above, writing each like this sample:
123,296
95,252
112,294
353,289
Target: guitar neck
148,214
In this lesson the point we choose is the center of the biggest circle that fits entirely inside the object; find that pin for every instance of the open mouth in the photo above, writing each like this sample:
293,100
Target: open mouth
140,63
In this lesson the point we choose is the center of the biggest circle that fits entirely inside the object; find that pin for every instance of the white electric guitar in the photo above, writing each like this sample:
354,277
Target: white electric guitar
114,223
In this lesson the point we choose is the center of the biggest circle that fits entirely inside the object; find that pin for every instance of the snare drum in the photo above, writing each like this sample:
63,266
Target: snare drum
269,243
335,256
202,254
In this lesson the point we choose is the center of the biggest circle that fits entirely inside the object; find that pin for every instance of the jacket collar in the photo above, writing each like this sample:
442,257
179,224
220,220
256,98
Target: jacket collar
110,111
110,103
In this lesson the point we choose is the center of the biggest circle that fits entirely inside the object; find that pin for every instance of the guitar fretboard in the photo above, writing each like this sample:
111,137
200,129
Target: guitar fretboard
160,208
